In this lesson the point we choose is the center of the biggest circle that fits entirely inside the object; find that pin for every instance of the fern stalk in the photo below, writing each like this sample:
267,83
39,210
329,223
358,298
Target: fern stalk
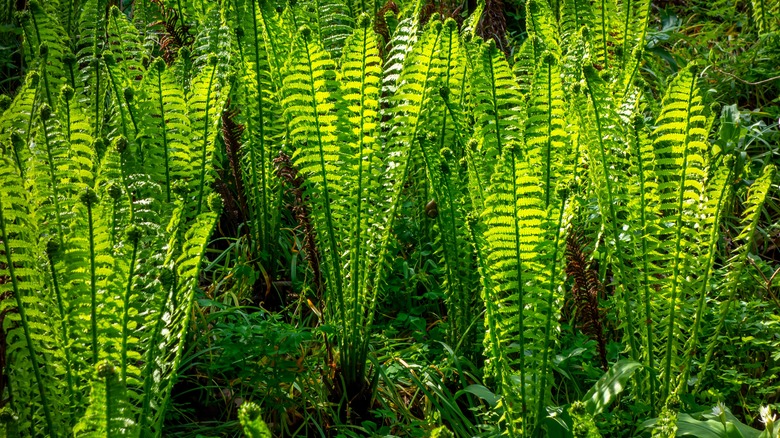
54,179
132,234
262,213
206,122
677,252
613,217
540,405
20,306
65,336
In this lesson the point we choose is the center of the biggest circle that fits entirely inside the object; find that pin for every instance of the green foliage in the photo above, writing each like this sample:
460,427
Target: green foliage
253,425
397,194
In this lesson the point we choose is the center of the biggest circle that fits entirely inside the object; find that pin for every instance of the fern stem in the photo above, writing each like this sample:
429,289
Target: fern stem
604,32
54,183
262,215
548,146
125,312
25,324
92,284
96,117
65,337
164,130
677,251
548,320
206,122
613,219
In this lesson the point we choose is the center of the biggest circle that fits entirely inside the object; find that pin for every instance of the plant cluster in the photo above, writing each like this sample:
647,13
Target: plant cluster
442,223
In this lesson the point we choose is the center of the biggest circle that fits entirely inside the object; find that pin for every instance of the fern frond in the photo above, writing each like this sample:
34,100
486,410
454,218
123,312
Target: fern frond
334,24
601,132
208,94
125,42
310,101
765,15
26,345
109,412
165,126
49,47
575,14
542,23
546,143
188,268
757,196
681,153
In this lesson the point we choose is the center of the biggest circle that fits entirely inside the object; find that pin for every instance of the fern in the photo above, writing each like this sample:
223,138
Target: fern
440,152
680,157
206,100
27,344
755,202
109,412
765,13
263,117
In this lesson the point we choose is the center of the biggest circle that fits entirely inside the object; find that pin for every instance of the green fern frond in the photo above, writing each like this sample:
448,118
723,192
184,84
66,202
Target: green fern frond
188,268
525,64
334,24
28,343
165,127
110,413
441,150
17,123
757,196
401,44
311,95
78,134
765,15
542,23
681,153
361,70
125,42
258,96
546,143
575,14
497,104
601,132
206,101
48,45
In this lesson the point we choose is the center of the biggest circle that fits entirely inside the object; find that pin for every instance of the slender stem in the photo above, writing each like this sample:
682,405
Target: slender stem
65,336
126,311
203,156
92,284
677,254
548,320
54,182
164,130
10,265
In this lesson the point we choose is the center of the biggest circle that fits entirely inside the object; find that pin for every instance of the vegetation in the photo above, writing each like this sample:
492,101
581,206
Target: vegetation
413,218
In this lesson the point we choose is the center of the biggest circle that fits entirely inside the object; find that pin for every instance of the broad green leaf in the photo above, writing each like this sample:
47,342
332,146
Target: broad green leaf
609,386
